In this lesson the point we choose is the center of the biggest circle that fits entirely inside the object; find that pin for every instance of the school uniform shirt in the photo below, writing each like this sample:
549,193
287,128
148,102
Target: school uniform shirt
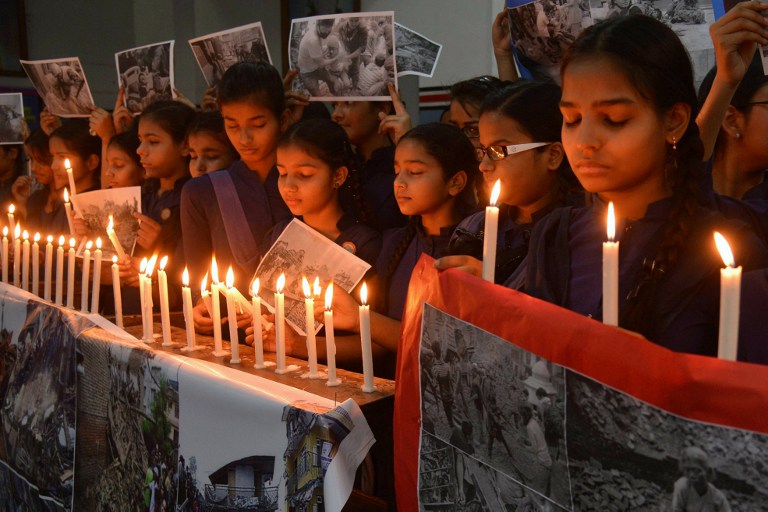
752,208
165,209
203,226
397,283
564,266
753,330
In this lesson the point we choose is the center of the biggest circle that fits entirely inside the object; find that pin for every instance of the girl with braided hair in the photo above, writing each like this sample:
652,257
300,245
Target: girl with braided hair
628,107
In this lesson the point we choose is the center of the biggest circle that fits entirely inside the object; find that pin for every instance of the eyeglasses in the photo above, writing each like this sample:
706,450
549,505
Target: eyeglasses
499,152
471,131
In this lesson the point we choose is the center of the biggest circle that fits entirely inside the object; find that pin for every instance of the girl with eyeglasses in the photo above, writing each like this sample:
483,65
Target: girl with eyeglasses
519,145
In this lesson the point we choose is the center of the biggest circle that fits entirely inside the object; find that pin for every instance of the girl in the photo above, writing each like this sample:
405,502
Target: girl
628,106
29,206
520,146
229,212
11,167
123,165
209,148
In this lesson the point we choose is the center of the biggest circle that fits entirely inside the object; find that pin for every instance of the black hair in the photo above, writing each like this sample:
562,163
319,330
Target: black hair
37,145
472,92
173,117
213,124
655,61
128,142
256,82
75,134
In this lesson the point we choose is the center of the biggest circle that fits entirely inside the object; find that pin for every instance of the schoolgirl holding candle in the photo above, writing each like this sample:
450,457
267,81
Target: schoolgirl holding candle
628,106
209,147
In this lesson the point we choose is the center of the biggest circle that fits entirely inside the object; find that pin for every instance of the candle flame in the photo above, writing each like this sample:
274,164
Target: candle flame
17,231
305,287
204,286
62,240
280,283
255,287
37,237
72,243
66,195
214,270
98,243
316,289
611,231
185,277
11,209
67,165
163,262
114,260
111,225
364,293
151,264
5,231
143,265
25,235
724,249
495,192
230,278
329,296
50,239
88,245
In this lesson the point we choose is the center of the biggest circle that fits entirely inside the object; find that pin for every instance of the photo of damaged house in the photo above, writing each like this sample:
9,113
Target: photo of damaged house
243,485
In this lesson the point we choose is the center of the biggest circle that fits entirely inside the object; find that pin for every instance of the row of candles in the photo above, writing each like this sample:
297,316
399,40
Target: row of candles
730,276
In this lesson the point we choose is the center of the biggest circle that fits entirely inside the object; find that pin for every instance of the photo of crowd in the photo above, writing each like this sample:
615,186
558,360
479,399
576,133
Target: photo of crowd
146,75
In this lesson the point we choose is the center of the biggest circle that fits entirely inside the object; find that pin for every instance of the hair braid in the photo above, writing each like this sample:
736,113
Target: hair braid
414,223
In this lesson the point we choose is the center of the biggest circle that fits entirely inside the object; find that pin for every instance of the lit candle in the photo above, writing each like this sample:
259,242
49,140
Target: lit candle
25,261
309,316
17,256
71,274
258,341
365,340
68,211
48,268
490,234
165,313
149,334
142,298
86,274
280,324
216,307
232,321
60,272
96,277
206,296
36,265
70,176
611,272
5,254
730,295
117,293
11,220
115,241
189,322
330,340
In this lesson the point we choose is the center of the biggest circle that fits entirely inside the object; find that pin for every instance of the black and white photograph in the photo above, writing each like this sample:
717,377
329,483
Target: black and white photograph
302,251
629,455
121,204
146,75
415,55
496,403
215,53
62,85
11,118
344,57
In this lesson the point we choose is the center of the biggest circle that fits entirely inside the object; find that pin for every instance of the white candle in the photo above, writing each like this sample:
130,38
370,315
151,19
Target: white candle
365,340
216,309
60,272
5,254
280,324
36,265
17,256
234,339
115,241
117,293
490,235
96,277
48,268
71,274
70,176
730,295
206,296
25,261
142,299
186,300
86,275
309,327
330,339
611,272
11,220
165,312
68,211
258,341
149,335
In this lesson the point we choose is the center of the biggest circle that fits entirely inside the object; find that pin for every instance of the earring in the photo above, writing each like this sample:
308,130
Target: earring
738,135
336,185
674,143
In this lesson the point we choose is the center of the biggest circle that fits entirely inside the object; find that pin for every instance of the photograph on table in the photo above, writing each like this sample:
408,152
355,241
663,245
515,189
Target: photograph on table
146,75
122,204
415,55
216,52
628,454
498,404
302,251
62,85
344,56
11,118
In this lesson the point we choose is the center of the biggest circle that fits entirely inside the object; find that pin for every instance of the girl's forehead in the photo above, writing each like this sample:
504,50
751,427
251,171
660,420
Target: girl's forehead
245,110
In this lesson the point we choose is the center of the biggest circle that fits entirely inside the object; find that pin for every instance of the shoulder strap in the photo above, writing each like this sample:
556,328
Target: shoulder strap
243,245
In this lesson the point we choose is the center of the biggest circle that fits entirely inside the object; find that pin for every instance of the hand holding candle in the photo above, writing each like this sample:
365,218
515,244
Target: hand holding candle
330,339
611,272
115,241
730,296
490,235
365,340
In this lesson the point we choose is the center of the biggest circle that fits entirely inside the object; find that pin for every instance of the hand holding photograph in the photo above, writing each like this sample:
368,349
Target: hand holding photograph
122,204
